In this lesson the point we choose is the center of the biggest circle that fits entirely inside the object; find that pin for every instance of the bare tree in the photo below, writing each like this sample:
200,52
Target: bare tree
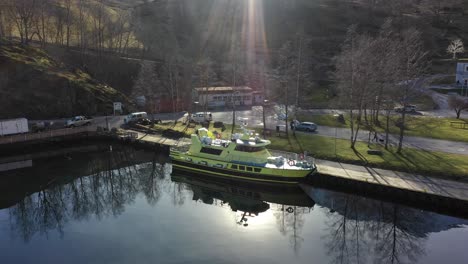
68,20
458,104
82,18
413,63
22,12
146,84
3,20
205,76
353,76
455,46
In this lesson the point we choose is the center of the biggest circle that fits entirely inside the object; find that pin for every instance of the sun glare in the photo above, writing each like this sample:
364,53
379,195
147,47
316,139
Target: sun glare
240,26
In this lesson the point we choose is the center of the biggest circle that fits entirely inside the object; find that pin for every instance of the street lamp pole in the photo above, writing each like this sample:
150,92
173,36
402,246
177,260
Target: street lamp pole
233,112
263,112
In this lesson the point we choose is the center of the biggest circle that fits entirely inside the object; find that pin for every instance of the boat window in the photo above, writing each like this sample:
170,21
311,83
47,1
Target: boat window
248,148
257,170
234,166
211,151
241,167
249,168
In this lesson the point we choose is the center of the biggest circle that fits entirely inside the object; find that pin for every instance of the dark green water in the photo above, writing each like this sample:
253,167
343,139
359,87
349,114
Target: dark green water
125,207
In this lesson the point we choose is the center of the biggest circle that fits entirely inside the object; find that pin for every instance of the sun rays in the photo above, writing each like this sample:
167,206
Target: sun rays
237,26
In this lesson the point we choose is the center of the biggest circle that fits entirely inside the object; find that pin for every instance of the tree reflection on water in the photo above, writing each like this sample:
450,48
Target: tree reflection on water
98,185
362,230
114,182
290,221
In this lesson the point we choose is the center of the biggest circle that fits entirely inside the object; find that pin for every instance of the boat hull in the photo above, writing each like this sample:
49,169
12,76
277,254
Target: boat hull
224,189
209,167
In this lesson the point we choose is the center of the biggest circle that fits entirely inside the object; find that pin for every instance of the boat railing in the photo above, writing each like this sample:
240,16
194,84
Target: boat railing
292,155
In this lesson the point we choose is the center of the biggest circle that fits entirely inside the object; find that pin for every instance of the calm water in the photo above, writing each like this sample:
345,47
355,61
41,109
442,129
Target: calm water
125,207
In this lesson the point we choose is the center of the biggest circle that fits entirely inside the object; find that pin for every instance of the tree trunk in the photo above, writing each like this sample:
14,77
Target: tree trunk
286,111
387,129
402,131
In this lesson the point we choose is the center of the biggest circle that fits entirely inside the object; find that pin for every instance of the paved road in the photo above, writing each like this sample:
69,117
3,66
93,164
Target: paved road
254,118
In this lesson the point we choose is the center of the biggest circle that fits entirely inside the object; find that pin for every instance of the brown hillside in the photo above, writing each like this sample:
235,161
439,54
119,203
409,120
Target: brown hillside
33,85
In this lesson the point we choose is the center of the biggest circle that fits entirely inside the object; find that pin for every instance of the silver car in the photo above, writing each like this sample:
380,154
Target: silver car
306,126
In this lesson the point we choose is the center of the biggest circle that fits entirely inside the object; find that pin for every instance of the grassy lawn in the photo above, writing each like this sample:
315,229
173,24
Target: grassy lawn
431,127
418,126
410,160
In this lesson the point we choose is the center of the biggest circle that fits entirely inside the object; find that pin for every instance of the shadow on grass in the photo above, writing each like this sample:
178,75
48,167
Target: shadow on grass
360,156
297,142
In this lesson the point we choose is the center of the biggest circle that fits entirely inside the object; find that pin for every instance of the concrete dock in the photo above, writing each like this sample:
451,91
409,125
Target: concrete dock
431,193
395,179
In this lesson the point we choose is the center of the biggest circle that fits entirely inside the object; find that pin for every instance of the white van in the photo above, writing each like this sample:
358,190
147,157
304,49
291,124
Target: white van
134,117
201,117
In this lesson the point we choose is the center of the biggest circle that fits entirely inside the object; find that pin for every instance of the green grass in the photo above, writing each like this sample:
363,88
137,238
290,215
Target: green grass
431,127
410,160
318,97
418,126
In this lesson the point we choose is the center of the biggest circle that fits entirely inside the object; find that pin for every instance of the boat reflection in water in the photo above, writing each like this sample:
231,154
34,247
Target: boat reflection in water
249,198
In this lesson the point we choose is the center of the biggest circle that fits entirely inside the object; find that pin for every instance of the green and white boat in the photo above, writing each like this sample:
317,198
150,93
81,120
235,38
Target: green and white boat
244,157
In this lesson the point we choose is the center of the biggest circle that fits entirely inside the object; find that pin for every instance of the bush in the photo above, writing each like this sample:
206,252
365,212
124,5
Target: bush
341,119
206,124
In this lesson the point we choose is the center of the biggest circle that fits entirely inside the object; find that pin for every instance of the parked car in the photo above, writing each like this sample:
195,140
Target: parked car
306,126
79,121
200,117
135,117
406,108
282,116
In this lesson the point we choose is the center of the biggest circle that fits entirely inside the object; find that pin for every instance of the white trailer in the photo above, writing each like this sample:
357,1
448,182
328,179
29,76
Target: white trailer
13,126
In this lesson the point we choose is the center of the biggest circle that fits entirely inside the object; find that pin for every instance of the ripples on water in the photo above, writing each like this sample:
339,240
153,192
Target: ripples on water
125,207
